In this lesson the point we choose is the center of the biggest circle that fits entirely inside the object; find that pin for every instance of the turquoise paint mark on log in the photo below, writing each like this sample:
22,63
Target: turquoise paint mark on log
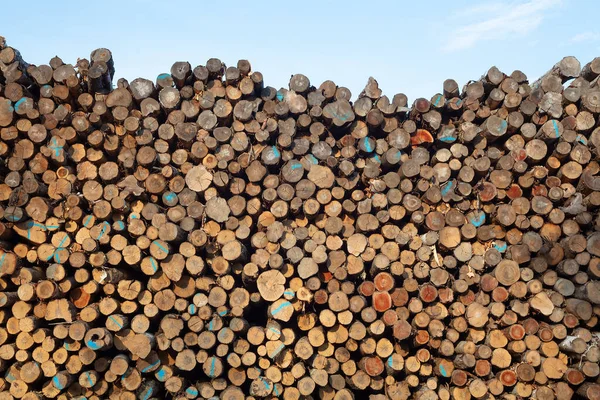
192,309
113,319
211,324
104,227
581,139
443,371
55,146
192,391
87,221
163,76
2,259
10,107
161,247
277,350
344,117
296,165
437,100
390,362
147,393
447,188
161,374
368,146
502,248
281,307
19,103
120,225
170,196
275,331
289,293
89,378
57,383
223,312
267,385
212,367
478,221
276,152
448,139
53,254
153,263
92,345
149,367
312,159
555,125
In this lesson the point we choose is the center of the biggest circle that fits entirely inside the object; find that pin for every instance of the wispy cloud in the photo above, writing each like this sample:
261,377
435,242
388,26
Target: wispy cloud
498,20
585,37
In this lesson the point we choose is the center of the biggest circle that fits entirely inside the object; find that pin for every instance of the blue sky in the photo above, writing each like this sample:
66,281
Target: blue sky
409,47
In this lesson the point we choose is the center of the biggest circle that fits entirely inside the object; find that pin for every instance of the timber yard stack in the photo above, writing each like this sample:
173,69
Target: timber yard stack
205,235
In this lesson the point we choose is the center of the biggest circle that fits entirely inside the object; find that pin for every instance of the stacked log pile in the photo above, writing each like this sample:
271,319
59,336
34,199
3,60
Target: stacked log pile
204,235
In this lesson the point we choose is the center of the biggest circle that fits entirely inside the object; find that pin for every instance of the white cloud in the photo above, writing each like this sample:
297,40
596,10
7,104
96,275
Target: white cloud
585,37
498,21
